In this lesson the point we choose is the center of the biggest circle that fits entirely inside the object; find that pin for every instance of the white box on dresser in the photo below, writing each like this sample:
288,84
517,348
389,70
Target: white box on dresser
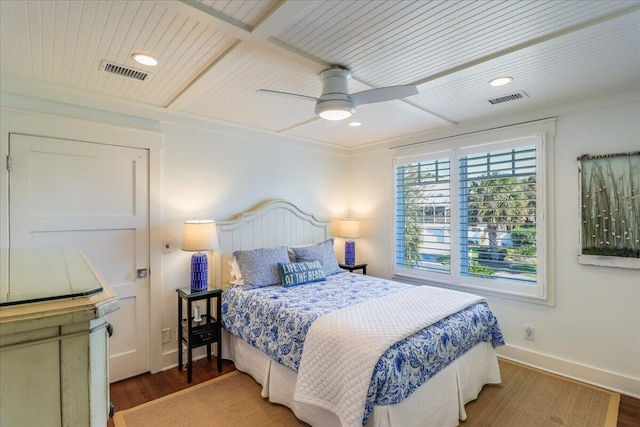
54,350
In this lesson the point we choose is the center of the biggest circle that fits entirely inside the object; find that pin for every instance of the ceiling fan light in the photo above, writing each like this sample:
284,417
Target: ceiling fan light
335,109
335,114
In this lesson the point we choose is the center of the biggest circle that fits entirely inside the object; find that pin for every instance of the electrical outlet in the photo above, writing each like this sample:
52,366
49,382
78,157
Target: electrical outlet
166,336
529,333
167,245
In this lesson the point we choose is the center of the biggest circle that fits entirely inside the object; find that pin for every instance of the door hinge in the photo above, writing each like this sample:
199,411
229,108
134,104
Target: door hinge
9,163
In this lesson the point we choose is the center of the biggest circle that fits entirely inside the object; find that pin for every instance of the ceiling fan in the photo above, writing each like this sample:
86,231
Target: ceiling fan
336,103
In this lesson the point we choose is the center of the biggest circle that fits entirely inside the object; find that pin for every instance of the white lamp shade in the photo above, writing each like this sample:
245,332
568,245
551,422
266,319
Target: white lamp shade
199,236
349,228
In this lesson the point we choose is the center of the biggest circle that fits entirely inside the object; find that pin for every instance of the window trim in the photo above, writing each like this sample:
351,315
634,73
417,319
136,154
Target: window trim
454,147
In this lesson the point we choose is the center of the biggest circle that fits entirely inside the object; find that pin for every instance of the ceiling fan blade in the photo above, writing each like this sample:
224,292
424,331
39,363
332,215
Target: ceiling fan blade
383,94
287,94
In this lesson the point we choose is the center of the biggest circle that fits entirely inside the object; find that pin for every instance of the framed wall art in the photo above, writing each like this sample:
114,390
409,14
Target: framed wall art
610,210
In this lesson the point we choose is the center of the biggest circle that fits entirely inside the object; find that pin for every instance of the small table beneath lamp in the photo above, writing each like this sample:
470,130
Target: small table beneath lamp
194,333
352,267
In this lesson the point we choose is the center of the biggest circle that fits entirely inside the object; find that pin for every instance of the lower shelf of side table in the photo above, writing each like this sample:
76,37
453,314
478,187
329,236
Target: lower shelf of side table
205,332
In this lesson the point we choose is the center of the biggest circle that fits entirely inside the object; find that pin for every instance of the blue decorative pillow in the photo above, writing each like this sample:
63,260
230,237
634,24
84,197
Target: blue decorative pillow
322,252
259,267
299,273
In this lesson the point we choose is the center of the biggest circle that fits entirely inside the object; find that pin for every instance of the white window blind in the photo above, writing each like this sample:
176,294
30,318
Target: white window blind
472,216
498,215
423,200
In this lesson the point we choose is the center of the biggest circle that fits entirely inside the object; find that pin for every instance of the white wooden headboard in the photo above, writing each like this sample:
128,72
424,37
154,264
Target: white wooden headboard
271,224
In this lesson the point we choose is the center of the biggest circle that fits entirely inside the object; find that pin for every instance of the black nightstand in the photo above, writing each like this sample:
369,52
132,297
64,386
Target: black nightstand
362,267
205,332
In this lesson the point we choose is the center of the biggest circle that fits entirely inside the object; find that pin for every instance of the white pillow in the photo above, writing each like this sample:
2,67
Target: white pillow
235,277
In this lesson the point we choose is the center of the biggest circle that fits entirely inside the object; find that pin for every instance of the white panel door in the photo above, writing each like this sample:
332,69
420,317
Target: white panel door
94,197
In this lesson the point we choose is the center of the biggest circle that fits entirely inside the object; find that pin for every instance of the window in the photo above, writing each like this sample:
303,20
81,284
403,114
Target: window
473,216
423,232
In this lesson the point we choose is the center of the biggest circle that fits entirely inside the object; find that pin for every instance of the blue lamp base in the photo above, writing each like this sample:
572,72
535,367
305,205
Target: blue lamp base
350,252
199,272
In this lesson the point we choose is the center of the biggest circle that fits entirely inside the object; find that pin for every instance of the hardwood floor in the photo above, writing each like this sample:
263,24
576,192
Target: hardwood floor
143,388
629,413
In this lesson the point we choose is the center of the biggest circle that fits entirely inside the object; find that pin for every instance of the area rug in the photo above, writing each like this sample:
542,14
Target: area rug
527,397
230,400
530,397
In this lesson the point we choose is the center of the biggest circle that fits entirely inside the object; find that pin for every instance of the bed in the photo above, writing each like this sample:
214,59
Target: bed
376,352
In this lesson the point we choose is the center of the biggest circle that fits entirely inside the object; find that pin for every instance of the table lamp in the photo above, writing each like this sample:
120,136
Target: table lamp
199,236
349,229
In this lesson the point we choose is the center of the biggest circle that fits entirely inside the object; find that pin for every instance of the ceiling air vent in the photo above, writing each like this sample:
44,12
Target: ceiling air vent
122,70
510,97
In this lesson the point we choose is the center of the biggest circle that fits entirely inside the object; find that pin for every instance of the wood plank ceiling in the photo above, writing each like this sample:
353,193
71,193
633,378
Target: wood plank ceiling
214,54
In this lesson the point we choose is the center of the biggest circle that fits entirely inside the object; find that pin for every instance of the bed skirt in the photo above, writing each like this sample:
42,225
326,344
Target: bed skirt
439,402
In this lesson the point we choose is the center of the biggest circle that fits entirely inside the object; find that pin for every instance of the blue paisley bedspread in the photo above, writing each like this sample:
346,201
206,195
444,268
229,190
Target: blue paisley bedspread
276,319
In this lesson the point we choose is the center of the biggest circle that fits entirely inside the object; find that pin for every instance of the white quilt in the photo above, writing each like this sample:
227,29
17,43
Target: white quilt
342,348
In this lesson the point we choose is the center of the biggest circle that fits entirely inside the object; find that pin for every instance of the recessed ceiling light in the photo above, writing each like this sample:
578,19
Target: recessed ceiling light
354,124
501,81
145,59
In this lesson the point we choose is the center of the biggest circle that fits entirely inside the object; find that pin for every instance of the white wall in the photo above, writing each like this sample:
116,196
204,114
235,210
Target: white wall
593,331
204,174
209,175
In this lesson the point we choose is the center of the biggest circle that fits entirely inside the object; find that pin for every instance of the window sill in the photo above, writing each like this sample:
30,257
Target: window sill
549,300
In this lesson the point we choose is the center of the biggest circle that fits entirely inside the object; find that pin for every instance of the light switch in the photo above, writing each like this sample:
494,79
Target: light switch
167,246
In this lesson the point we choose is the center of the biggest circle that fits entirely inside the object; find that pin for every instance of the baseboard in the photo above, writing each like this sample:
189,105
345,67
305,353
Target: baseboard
170,358
587,374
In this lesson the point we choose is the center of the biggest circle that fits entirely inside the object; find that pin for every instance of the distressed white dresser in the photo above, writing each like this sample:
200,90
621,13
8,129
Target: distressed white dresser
54,339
